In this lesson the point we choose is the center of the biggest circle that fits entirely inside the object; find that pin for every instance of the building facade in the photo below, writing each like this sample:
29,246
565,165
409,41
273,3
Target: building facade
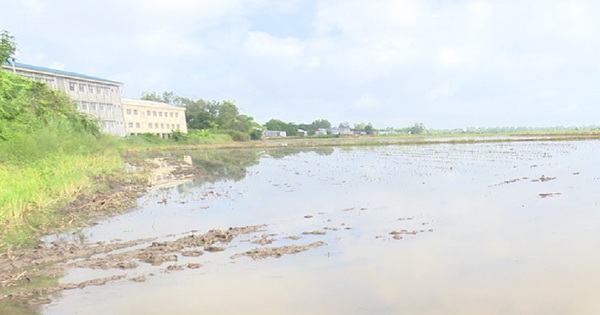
274,133
100,98
159,118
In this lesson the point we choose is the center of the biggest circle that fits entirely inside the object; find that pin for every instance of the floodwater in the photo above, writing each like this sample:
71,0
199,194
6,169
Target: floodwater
496,228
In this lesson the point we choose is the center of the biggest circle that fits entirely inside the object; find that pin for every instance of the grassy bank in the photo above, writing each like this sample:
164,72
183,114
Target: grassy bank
49,153
31,194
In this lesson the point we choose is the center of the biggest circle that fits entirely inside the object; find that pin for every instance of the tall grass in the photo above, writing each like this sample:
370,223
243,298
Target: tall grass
49,153
30,194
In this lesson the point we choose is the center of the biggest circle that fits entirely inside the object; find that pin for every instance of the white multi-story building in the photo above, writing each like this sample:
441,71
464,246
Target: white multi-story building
100,98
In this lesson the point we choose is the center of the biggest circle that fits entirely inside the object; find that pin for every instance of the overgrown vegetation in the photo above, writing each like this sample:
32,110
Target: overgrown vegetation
49,153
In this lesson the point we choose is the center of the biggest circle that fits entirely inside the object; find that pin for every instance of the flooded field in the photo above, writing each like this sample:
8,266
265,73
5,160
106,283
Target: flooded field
488,228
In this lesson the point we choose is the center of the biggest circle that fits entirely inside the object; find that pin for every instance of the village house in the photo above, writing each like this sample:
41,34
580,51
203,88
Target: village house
159,118
321,132
274,133
97,97
342,131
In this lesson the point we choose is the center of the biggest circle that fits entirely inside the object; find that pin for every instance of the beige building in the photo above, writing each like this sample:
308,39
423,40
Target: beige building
143,116
100,98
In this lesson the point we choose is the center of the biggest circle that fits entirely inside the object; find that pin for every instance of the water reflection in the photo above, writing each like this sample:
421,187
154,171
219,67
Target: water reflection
165,172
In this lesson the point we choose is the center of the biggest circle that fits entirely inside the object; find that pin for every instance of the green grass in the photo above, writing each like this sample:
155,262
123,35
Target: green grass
151,141
31,194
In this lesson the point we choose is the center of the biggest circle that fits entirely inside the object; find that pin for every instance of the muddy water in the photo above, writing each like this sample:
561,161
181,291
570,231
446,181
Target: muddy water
435,229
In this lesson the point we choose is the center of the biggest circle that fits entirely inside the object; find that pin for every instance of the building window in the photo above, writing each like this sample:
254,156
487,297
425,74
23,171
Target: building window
129,111
98,90
81,87
156,126
84,105
176,115
72,86
154,113
159,114
178,126
148,113
90,88
171,114
150,125
100,106
137,125
172,126
130,125
162,126
93,106
135,111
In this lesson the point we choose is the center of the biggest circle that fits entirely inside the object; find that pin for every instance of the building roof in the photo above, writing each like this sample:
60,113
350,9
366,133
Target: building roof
61,72
131,101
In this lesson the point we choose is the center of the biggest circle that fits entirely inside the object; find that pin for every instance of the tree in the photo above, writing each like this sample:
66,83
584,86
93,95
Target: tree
290,129
226,118
417,129
320,123
200,114
8,47
369,129
275,124
166,97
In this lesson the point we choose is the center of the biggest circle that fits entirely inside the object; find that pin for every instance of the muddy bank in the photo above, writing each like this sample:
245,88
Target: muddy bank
22,266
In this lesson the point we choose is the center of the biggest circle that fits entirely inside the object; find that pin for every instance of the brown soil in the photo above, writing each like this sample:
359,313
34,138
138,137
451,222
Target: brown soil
265,252
21,266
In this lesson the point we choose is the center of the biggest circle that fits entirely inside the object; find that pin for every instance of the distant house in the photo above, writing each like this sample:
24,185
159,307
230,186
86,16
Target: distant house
321,132
302,133
274,133
341,131
97,97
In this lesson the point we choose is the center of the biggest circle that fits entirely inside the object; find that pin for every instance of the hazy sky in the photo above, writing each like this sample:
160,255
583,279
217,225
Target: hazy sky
446,63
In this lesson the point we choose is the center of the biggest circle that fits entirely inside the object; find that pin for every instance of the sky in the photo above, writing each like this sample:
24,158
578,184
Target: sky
444,63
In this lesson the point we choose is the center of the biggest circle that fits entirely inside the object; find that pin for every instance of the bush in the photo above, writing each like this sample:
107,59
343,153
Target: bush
178,136
256,134
234,134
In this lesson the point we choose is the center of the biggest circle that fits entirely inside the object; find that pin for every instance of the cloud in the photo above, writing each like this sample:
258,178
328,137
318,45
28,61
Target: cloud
366,102
446,90
263,45
169,45
445,63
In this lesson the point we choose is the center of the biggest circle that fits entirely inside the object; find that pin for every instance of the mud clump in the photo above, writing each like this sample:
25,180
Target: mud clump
264,239
265,252
543,178
192,253
314,233
21,266
397,235
546,195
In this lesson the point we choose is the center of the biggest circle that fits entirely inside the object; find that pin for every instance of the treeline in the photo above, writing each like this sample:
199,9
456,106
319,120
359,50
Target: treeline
224,117
292,129
218,117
